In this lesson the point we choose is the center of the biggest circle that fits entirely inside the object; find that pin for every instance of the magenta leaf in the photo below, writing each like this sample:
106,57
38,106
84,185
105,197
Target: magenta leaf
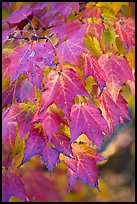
12,185
92,68
50,156
62,144
50,121
117,71
113,111
44,189
85,169
21,114
19,15
30,59
87,118
65,8
71,49
61,88
27,91
35,143
125,28
6,33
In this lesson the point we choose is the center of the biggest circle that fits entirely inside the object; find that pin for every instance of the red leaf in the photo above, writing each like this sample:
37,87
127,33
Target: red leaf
61,88
27,91
40,188
132,87
95,27
6,33
117,70
72,178
70,50
87,118
21,114
113,111
86,169
68,30
62,143
50,156
92,67
9,132
20,90
12,185
19,15
65,8
125,28
37,144
30,59
91,11
50,121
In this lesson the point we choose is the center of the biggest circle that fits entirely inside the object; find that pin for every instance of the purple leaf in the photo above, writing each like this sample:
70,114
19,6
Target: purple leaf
12,185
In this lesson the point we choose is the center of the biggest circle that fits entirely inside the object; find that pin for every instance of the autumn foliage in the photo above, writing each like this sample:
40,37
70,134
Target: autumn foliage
64,65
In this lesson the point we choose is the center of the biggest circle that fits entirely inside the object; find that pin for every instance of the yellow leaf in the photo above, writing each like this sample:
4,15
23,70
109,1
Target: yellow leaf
115,6
93,45
5,83
108,41
17,151
120,46
15,199
131,59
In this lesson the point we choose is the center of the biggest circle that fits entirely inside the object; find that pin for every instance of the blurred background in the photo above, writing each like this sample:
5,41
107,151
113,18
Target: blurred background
117,173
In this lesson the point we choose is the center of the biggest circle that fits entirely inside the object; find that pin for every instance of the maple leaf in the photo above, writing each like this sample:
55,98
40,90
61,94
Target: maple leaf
27,91
50,157
84,165
91,11
9,132
62,143
31,59
95,27
70,50
114,112
87,118
61,88
21,114
117,70
36,143
92,67
6,33
65,8
20,90
39,181
50,121
68,30
125,29
132,87
12,185
19,15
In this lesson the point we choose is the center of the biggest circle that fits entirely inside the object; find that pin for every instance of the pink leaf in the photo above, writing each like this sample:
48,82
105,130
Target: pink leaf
117,70
30,58
92,68
50,121
113,111
61,88
50,156
20,114
62,144
19,15
87,118
125,28
12,185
